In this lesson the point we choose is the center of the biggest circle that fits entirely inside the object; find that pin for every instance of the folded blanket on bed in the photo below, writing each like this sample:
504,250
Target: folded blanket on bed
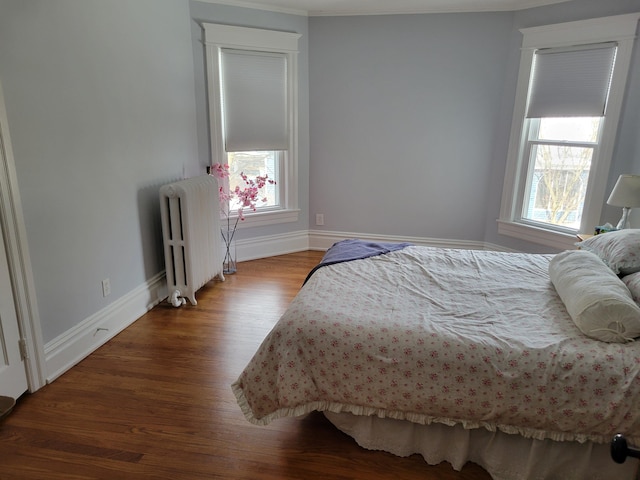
354,249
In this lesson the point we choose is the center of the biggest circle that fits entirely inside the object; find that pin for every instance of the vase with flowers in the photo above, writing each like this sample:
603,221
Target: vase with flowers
237,199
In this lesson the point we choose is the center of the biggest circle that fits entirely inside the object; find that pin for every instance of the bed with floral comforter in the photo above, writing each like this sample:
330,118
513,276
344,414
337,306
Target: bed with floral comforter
459,337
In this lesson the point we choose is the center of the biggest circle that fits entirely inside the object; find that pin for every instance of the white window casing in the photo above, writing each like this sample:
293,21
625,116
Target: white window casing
276,53
619,30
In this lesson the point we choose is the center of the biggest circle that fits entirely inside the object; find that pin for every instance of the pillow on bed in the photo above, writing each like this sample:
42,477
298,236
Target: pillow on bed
633,284
598,301
620,249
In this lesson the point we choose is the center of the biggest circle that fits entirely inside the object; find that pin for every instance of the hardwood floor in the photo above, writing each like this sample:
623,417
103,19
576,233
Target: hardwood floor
155,402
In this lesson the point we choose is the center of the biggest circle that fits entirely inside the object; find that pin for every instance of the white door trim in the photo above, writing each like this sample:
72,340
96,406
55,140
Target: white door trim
18,258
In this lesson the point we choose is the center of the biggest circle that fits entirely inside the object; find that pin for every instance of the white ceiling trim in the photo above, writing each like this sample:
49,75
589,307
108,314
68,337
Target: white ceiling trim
320,8
259,6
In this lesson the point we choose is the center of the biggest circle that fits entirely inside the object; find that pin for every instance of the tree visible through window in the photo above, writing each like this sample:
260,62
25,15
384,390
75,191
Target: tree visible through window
561,150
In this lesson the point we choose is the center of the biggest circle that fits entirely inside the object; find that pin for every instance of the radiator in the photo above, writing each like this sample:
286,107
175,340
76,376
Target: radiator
191,236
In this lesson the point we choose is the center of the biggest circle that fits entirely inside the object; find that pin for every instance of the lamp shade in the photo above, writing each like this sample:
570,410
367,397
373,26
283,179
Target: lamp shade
626,192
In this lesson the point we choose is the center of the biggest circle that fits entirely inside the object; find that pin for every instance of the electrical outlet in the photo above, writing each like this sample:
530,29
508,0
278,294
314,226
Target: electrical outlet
319,218
106,287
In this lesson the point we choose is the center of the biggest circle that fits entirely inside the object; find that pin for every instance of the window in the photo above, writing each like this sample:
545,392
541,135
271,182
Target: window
252,87
253,164
568,102
560,153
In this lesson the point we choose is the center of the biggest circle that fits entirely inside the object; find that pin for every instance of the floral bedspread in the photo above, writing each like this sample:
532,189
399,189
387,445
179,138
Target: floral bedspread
428,335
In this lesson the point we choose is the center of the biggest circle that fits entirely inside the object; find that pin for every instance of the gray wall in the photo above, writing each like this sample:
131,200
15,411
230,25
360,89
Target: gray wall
106,102
101,109
403,113
410,119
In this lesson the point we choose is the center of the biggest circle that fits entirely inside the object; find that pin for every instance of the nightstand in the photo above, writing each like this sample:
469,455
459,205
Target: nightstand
584,236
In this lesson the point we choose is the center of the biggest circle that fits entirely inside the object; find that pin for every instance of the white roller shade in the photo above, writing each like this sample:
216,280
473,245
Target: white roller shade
254,100
571,82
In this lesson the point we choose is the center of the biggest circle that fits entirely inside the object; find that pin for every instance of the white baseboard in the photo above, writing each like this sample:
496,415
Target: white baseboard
68,349
71,347
272,245
322,240
269,246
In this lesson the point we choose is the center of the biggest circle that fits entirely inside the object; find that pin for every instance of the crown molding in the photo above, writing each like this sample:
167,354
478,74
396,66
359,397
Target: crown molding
314,8
258,6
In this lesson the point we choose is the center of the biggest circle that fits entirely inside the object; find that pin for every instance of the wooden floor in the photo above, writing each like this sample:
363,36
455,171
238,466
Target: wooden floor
155,402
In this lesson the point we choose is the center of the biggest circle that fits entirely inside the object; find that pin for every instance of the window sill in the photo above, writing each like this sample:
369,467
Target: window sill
261,219
541,236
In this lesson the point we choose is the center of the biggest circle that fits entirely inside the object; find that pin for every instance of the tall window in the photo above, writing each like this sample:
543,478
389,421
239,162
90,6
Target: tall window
255,121
253,112
568,102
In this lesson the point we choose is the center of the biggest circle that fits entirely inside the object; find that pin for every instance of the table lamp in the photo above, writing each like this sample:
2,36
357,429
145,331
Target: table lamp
625,194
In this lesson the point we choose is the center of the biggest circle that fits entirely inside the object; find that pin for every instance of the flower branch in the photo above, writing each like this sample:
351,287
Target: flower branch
246,198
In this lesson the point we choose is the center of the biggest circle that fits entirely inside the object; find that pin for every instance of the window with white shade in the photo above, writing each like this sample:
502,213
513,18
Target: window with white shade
252,87
568,102
254,100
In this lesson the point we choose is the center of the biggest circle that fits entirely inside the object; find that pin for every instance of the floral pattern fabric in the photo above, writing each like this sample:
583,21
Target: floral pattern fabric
425,334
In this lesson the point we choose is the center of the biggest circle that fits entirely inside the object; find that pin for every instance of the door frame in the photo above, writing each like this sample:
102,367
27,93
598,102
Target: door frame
18,259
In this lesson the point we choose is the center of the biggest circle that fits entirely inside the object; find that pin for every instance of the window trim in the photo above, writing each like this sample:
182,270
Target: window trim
217,37
619,28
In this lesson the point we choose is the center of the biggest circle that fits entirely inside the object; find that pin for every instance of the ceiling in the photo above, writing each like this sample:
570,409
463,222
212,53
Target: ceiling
384,7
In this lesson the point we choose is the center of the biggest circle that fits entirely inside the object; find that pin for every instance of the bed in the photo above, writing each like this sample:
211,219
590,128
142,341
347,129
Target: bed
464,355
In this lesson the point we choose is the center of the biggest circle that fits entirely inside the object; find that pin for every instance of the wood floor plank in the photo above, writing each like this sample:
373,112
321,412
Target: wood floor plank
155,402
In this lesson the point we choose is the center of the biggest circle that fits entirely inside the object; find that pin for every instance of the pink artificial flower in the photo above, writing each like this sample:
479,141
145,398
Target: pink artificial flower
247,197
220,171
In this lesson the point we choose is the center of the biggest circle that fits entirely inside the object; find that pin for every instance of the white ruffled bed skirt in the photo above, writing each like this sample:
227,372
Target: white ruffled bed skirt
504,456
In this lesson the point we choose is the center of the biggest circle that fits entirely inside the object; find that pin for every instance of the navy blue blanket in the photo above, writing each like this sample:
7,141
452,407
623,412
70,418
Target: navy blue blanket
353,249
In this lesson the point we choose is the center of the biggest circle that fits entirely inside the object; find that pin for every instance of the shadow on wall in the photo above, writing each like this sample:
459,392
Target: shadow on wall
150,222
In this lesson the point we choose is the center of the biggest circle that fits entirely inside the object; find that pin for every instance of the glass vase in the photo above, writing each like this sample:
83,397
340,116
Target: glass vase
229,263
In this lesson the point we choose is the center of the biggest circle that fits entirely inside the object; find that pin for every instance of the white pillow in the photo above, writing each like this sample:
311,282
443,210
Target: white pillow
633,284
598,301
620,249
